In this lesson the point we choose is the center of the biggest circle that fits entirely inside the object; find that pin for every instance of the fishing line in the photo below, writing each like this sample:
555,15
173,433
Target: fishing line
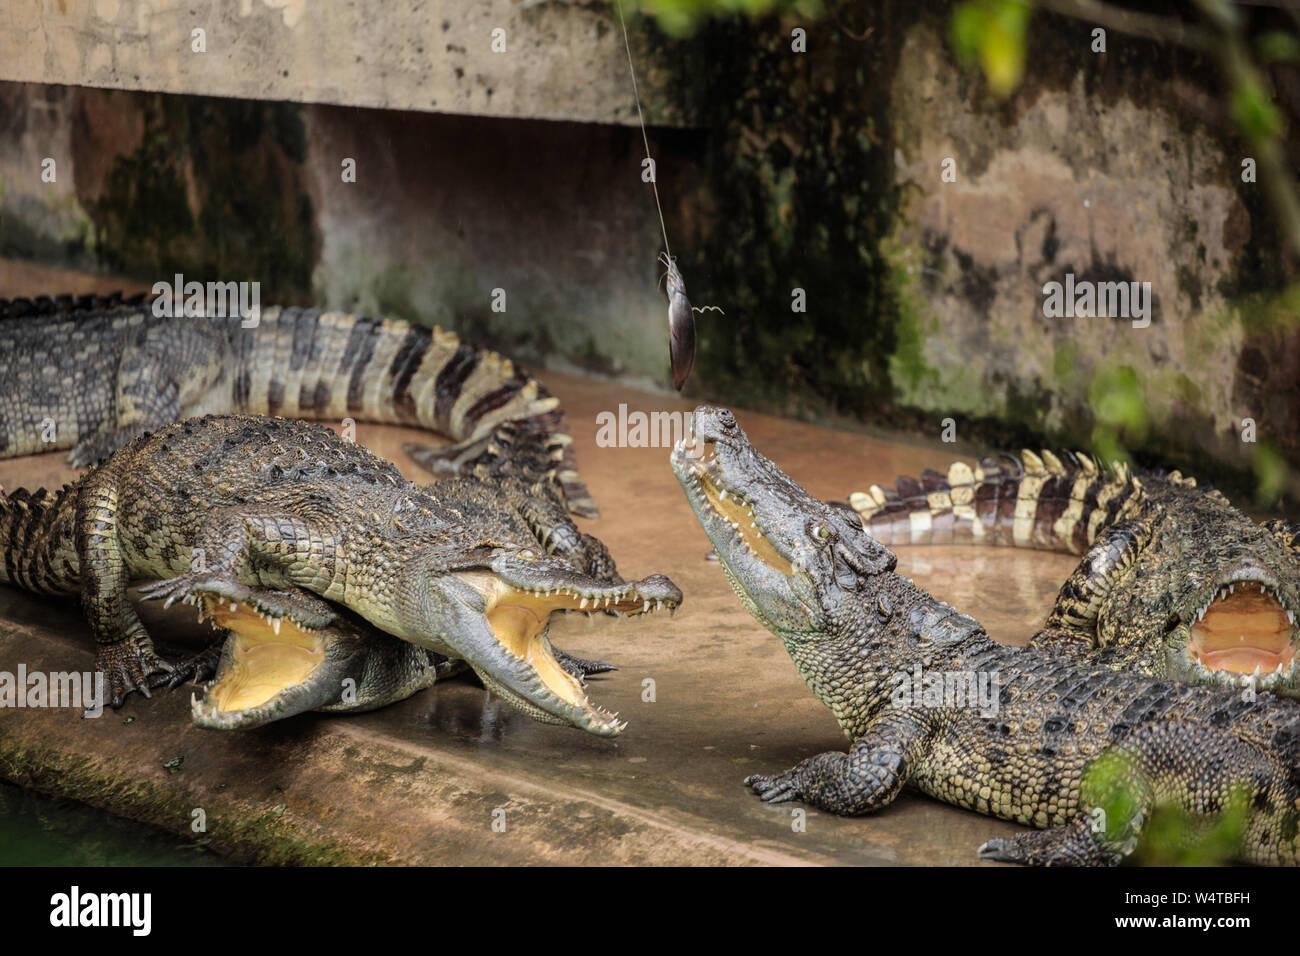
618,5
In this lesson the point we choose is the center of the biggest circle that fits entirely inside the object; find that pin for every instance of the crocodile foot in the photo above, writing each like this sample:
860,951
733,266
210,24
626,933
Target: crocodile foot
127,665
1071,845
198,667
781,788
580,667
184,587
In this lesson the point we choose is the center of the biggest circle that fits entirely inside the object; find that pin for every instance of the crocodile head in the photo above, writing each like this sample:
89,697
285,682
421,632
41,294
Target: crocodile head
1232,593
289,652
495,615
788,556
810,573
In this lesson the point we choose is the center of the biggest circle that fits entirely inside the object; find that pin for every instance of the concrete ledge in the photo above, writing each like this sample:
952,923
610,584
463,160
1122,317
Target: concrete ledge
561,61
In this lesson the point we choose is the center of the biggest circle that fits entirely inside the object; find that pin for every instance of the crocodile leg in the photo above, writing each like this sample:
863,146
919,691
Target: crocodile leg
1071,845
867,778
1071,627
598,561
228,541
126,654
1148,770
556,532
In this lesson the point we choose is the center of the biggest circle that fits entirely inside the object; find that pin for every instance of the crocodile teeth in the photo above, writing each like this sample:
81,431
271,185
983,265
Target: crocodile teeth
234,606
583,604
645,606
275,625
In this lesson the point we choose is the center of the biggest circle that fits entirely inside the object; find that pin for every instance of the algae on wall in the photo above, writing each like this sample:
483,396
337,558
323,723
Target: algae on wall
795,192
214,189
823,172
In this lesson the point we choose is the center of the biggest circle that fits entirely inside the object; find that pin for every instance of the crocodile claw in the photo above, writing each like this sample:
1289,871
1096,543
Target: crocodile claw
1001,850
779,789
200,667
182,586
580,667
128,665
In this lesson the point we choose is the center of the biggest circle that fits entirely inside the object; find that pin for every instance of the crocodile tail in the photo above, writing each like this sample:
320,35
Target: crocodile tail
305,363
23,308
37,534
1049,502
533,451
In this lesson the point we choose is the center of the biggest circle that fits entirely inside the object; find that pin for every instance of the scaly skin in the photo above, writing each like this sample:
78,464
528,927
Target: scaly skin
469,568
102,371
1067,736
1166,566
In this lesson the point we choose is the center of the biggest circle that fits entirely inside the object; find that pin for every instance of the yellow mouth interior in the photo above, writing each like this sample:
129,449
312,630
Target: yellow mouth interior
1244,631
731,510
266,656
518,620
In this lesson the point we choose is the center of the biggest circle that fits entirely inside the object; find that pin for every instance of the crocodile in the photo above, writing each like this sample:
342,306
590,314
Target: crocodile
863,638
1177,581
285,652
469,568
90,373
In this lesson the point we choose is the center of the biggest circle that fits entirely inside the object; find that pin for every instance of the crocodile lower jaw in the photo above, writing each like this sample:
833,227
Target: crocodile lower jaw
519,619
1244,632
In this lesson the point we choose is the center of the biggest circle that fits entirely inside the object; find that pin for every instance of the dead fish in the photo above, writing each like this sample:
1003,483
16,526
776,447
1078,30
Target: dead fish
681,324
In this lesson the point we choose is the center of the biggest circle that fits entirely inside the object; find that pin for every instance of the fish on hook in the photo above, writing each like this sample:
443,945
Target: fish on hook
681,323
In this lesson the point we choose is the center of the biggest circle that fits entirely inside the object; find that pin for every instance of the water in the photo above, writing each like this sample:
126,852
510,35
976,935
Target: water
44,831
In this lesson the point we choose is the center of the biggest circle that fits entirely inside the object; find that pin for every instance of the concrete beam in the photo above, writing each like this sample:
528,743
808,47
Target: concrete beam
553,60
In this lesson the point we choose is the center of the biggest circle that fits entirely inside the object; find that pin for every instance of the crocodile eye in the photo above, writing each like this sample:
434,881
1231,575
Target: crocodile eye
822,533
527,554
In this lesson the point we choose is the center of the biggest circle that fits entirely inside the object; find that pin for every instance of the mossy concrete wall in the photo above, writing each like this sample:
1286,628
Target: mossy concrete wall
817,171
1117,167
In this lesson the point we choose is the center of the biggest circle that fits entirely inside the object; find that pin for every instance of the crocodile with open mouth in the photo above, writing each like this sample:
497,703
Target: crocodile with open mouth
1063,737
90,373
1175,579
288,651
468,568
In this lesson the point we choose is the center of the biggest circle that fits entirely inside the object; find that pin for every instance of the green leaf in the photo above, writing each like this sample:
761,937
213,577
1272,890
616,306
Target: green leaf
1254,112
1277,46
992,32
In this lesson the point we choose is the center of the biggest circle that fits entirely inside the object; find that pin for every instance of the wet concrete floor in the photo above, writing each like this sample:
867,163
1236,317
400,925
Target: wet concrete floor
454,775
